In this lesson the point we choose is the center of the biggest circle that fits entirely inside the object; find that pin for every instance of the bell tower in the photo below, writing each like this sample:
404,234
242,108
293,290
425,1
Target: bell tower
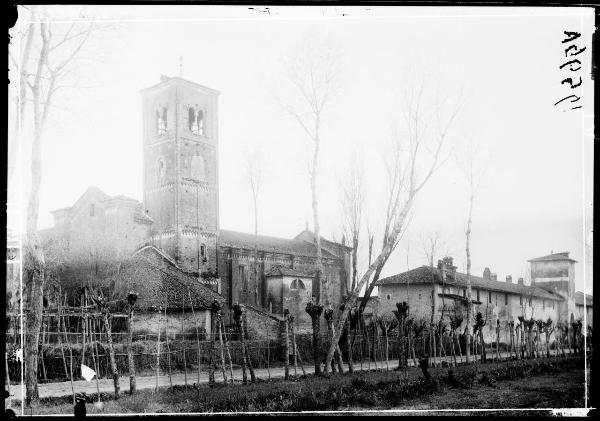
180,170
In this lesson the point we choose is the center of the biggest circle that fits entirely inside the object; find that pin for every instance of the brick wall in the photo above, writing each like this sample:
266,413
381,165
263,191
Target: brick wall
174,323
259,324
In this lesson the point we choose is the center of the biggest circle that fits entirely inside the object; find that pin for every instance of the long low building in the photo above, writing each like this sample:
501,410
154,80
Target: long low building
442,291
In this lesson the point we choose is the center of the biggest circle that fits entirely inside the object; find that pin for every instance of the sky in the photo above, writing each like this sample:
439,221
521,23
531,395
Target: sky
499,67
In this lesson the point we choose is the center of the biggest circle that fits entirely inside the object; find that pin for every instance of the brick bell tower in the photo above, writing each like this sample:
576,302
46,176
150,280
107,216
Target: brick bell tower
180,170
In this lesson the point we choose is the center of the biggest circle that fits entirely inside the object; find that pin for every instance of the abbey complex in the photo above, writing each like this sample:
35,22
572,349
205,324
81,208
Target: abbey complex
172,250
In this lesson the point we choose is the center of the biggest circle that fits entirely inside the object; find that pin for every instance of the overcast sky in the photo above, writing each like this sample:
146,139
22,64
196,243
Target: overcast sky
500,64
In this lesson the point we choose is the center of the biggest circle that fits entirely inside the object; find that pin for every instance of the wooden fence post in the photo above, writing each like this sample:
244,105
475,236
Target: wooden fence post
168,349
286,342
183,341
228,353
158,350
197,338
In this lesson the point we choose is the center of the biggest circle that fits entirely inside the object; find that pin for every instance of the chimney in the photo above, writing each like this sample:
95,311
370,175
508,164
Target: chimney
493,276
487,274
509,279
520,281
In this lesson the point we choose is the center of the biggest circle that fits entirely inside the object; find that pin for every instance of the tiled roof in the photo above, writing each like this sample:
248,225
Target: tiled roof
308,234
149,264
237,239
427,274
554,257
279,270
589,299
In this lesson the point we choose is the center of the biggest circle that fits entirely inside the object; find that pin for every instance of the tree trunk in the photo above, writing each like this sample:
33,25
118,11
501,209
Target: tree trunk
315,310
221,348
239,321
132,384
228,353
286,342
111,351
349,349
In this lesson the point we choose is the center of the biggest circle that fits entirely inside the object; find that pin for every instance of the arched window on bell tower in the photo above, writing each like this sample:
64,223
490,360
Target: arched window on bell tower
200,122
196,121
192,123
161,120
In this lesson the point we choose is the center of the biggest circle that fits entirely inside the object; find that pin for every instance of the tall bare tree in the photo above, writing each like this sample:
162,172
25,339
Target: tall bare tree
352,201
254,162
474,176
49,50
311,77
405,182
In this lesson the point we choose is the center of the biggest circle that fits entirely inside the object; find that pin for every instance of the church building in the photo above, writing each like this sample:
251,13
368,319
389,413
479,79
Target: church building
179,215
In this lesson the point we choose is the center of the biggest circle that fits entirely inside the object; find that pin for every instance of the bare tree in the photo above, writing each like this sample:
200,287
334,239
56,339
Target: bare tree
433,246
474,177
254,161
406,181
48,52
352,199
311,74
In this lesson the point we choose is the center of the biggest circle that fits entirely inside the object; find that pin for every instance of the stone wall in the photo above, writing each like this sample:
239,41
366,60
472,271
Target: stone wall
173,323
260,324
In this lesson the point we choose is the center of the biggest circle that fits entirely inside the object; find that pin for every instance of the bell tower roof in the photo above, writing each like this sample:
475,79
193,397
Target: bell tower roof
172,80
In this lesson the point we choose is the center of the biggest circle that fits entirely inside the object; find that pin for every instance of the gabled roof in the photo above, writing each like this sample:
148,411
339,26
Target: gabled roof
280,270
160,282
428,274
564,256
164,80
266,243
308,235
579,296
118,200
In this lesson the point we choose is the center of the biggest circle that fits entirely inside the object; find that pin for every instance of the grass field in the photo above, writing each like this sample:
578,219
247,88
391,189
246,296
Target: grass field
531,384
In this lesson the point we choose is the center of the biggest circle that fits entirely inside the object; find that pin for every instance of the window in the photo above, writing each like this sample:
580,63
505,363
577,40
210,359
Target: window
477,295
196,121
419,296
389,297
464,292
243,277
92,209
505,299
520,300
530,300
203,252
490,297
161,121
297,284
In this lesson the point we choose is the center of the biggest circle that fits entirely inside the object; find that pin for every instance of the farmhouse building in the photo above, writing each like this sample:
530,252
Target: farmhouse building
433,292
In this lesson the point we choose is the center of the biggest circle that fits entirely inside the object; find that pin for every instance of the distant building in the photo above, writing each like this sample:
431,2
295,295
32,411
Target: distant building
443,290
